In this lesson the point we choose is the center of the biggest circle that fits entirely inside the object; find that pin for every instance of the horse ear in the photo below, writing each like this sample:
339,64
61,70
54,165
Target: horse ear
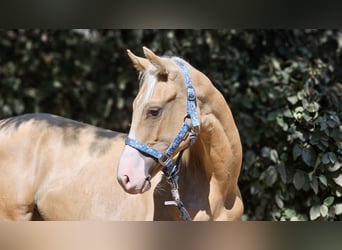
138,62
155,60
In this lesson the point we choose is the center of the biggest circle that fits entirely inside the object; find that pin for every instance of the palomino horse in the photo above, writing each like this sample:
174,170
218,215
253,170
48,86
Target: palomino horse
182,124
55,168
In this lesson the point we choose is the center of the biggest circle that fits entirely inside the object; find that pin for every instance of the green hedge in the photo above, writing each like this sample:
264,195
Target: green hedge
284,89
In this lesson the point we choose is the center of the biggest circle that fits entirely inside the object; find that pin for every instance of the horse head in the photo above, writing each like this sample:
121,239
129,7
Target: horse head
159,110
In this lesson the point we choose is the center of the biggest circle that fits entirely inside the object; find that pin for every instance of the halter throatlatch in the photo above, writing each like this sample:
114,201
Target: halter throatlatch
171,169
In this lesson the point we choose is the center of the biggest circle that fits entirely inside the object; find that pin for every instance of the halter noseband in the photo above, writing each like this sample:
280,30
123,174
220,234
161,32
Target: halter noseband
165,158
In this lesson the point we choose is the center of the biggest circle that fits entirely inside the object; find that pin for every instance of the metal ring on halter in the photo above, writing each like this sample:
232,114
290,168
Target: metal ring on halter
187,116
164,160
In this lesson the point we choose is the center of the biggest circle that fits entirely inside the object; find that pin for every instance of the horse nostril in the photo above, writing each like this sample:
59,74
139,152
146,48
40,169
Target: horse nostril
125,179
148,178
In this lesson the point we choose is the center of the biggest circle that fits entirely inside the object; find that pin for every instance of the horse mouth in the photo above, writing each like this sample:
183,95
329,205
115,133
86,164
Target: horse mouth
146,185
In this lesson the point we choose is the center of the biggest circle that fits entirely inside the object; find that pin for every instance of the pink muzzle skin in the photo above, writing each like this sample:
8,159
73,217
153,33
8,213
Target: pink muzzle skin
134,171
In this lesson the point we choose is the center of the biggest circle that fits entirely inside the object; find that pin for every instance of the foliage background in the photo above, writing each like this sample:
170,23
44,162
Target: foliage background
284,89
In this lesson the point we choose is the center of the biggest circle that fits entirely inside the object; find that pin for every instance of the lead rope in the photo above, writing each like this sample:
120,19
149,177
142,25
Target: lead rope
172,178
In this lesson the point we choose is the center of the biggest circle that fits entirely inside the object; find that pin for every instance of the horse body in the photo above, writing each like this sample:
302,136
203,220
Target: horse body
64,169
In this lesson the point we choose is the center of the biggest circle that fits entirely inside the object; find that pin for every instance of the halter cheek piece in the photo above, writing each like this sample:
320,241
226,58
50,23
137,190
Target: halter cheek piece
171,169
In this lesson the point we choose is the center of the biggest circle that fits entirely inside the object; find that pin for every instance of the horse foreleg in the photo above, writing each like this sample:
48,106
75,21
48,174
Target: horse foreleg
233,207
15,204
15,212
225,205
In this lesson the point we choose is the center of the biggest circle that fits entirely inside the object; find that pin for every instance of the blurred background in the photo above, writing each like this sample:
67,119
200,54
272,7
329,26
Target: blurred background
283,86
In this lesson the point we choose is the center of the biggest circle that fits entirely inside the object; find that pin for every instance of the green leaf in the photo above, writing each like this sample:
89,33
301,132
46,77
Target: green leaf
299,179
275,63
315,137
271,176
274,155
296,151
323,123
338,209
282,171
329,201
309,156
312,107
315,212
332,157
335,167
292,99
289,213
279,201
338,180
108,107
265,152
307,117
282,123
287,113
331,123
271,116
323,210
57,84
335,118
249,159
300,95
323,180
325,158
314,185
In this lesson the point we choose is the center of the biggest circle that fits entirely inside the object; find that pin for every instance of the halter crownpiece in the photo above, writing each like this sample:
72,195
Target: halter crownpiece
165,158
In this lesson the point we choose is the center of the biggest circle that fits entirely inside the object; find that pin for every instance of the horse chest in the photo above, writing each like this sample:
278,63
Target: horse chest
195,197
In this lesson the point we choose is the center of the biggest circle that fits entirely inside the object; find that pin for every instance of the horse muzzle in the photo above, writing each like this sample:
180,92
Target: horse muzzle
134,171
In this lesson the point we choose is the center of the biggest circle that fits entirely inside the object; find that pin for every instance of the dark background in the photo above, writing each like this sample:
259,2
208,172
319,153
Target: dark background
283,86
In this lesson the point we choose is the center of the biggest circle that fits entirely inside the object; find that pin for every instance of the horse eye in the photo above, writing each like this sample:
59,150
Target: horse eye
153,112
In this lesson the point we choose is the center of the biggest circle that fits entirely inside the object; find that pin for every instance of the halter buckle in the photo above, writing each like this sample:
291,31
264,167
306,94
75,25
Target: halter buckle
165,160
191,93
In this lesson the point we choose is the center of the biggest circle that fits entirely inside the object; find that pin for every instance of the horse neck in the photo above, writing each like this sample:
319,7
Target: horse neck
217,150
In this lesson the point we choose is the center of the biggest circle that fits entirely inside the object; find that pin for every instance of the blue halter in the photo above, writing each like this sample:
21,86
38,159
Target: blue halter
165,158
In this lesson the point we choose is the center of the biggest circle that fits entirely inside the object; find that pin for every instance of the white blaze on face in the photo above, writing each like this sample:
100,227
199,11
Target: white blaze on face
150,82
134,168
